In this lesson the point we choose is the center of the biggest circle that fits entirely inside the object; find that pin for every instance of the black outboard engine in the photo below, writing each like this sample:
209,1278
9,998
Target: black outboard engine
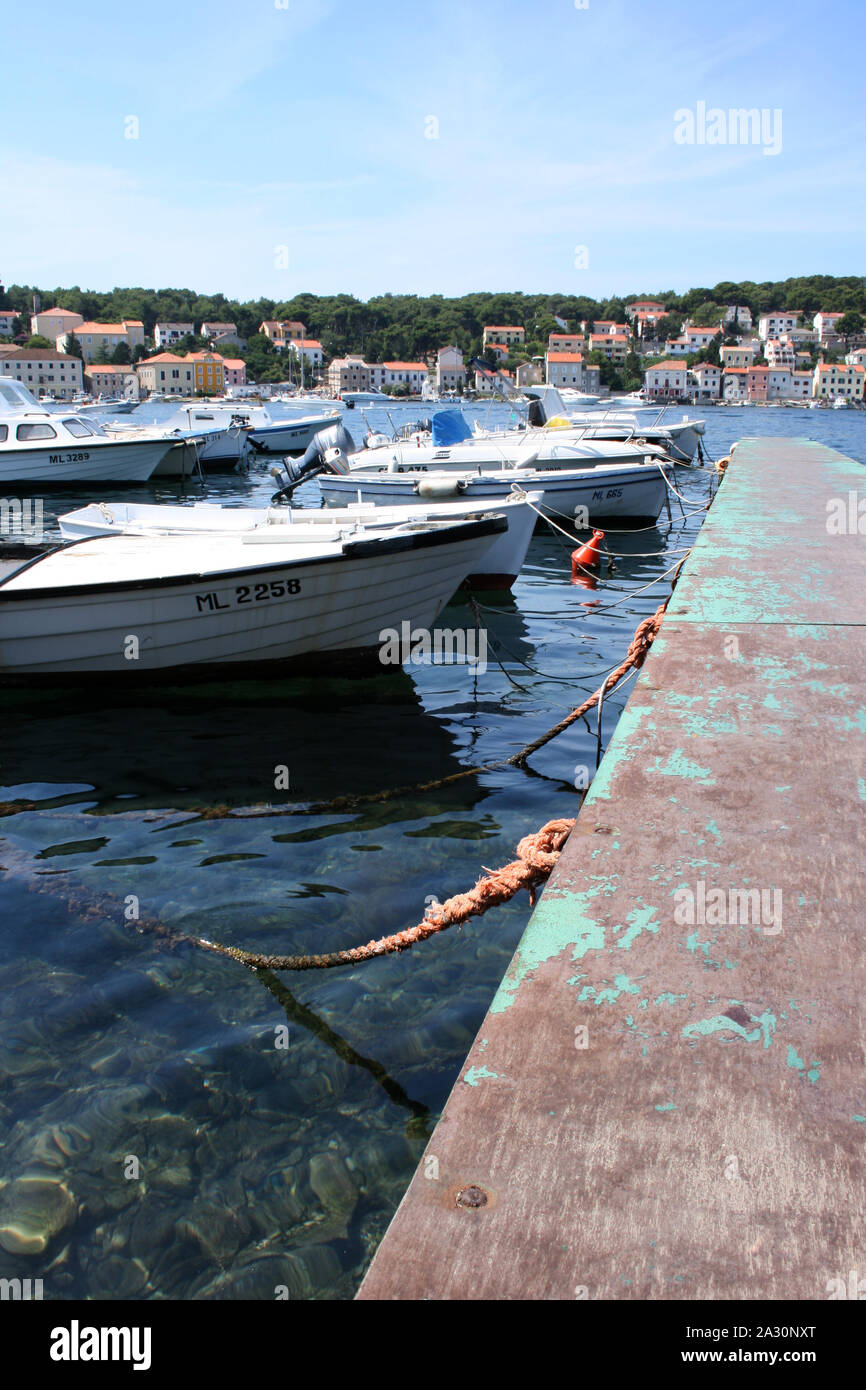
327,452
536,411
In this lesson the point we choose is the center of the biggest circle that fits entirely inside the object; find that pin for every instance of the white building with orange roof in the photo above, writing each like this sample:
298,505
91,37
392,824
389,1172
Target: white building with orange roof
615,346
93,337
498,350
825,323
53,323
509,334
487,384
741,356
565,342
698,337
308,348
112,379
648,309
565,369
44,371
780,352
778,322
411,374
707,381
667,379
166,374
450,369
677,347
833,379
735,383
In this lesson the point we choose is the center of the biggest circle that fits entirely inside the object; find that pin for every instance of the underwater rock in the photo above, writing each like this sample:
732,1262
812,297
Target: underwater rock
33,1210
334,1186
116,1277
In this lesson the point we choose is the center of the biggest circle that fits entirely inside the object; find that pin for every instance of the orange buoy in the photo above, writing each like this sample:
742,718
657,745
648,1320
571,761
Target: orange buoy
587,555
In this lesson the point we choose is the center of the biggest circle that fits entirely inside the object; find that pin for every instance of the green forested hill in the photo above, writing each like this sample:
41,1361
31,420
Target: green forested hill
403,326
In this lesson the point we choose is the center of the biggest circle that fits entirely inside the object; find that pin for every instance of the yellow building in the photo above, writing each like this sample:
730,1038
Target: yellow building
209,373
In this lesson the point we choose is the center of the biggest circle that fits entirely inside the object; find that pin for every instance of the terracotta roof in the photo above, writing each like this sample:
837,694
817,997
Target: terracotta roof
7,350
109,367
504,328
565,357
234,363
161,357
668,366
70,313
89,327
405,366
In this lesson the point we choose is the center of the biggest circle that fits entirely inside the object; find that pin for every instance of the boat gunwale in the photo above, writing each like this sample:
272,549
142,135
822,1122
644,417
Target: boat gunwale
361,549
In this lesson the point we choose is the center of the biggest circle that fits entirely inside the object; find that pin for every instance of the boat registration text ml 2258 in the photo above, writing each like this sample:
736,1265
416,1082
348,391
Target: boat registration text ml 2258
249,593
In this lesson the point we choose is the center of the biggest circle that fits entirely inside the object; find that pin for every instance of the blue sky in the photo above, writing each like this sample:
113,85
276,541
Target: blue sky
283,145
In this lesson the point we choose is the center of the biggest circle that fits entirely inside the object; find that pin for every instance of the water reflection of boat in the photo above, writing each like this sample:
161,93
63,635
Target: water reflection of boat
226,748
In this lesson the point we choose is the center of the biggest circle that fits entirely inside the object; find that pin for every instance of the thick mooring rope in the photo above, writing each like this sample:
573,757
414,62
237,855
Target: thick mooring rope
536,856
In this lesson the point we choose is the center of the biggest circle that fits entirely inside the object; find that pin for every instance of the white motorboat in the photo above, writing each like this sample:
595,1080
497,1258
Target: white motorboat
59,446
453,445
223,436
130,605
630,491
655,425
269,434
502,562
353,398
609,493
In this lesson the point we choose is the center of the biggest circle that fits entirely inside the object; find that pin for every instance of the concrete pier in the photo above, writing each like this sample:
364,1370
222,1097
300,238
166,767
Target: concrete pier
667,1098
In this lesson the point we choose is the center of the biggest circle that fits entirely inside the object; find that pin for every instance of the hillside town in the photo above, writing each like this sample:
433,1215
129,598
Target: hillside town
784,356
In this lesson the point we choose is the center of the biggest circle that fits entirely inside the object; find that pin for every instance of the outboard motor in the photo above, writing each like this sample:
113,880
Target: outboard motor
327,452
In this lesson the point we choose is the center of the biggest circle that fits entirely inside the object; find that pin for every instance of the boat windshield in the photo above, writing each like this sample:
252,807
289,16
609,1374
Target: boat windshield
77,428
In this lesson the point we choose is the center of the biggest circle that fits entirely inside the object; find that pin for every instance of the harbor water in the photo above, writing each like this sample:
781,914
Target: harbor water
173,1125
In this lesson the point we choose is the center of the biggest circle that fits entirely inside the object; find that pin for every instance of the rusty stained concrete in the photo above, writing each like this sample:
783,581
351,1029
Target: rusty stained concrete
659,1107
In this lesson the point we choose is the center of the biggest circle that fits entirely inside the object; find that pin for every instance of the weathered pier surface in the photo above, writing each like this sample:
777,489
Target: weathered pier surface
665,1103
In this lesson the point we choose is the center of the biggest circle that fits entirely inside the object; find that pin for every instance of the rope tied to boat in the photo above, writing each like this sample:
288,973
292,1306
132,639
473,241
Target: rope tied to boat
537,855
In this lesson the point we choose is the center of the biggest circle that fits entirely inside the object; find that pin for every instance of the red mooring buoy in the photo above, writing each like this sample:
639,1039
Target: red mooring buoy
587,556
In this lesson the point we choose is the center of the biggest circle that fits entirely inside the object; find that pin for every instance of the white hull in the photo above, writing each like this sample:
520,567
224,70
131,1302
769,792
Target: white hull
628,494
502,562
285,437
96,461
342,604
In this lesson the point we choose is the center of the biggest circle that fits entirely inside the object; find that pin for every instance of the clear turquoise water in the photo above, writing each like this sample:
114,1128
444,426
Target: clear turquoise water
157,1140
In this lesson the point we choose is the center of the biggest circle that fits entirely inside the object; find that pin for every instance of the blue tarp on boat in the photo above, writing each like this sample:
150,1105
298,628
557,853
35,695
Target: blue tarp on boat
449,427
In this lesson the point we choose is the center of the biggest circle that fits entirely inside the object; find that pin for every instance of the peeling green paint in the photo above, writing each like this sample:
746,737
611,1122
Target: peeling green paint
797,1063
556,925
476,1074
721,1023
670,1106
678,765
